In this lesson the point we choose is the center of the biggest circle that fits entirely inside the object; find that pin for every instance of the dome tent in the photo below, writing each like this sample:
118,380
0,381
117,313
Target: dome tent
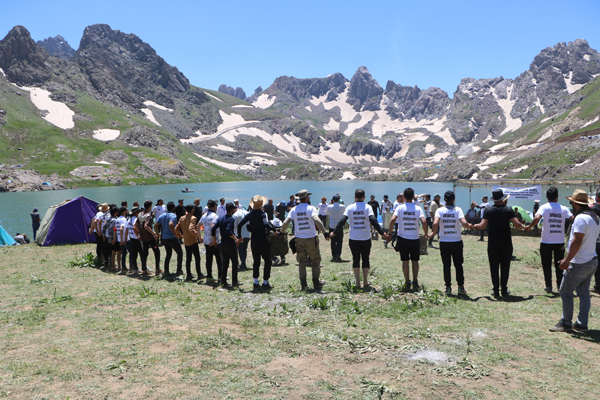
5,238
68,222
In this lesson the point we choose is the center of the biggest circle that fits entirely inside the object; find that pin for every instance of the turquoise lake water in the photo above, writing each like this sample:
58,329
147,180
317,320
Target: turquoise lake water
15,207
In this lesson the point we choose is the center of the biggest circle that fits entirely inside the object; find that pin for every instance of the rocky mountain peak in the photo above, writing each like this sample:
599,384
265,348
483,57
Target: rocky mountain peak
364,91
58,47
405,102
124,69
23,61
237,92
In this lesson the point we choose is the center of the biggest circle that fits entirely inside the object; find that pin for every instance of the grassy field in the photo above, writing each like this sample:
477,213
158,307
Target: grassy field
74,331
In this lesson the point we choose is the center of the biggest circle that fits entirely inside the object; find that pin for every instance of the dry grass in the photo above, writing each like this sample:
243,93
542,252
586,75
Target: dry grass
72,332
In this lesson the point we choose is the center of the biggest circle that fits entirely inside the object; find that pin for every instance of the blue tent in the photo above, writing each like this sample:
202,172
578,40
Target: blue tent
68,222
5,238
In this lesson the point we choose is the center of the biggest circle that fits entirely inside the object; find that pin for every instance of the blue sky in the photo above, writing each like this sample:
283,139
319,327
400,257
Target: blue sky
250,43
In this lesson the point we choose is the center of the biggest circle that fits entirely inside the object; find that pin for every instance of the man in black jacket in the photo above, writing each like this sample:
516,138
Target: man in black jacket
229,241
500,249
259,226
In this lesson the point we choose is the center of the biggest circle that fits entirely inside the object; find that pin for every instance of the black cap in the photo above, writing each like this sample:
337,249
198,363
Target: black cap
449,195
211,203
385,196
552,193
135,210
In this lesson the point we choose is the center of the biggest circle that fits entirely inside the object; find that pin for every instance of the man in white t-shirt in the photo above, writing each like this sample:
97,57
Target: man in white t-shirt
579,265
408,216
322,207
159,209
96,229
122,238
553,235
134,240
336,212
484,204
207,221
449,218
305,217
399,200
433,207
360,217
243,246
221,210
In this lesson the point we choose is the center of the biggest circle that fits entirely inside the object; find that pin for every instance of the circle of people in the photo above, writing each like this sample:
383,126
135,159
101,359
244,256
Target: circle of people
225,230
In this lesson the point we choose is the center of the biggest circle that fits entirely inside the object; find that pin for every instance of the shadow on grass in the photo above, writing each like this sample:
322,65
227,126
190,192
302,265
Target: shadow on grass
509,298
589,336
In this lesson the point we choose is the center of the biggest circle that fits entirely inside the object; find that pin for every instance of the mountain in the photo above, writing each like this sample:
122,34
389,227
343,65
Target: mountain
115,112
58,47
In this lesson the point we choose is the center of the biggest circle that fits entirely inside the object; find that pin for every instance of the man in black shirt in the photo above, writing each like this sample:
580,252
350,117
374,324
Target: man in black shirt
260,240
497,218
374,205
269,209
179,210
280,210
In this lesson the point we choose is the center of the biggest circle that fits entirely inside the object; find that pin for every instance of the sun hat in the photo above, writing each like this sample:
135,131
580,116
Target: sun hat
135,210
303,193
580,197
258,201
276,223
498,195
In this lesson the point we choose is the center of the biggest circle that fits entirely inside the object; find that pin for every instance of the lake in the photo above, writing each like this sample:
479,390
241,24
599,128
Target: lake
15,207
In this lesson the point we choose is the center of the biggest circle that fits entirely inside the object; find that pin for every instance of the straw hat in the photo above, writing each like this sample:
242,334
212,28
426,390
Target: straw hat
302,194
104,206
258,201
580,197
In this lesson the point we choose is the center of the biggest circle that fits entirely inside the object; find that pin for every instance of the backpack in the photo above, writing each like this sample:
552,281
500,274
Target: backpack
145,221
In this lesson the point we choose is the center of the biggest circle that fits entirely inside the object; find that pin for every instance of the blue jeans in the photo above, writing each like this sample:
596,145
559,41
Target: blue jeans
577,277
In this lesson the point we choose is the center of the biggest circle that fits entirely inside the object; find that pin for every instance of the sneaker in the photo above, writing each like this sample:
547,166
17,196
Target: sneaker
580,328
561,327
548,289
415,286
505,293
430,245
462,290
495,293
236,284
266,286
385,244
201,276
448,289
406,287
158,272
179,273
188,278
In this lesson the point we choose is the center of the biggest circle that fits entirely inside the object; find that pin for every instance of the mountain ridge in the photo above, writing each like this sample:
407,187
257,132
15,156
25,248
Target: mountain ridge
323,128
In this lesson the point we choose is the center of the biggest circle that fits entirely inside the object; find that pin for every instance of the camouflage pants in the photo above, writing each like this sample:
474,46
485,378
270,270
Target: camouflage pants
305,249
